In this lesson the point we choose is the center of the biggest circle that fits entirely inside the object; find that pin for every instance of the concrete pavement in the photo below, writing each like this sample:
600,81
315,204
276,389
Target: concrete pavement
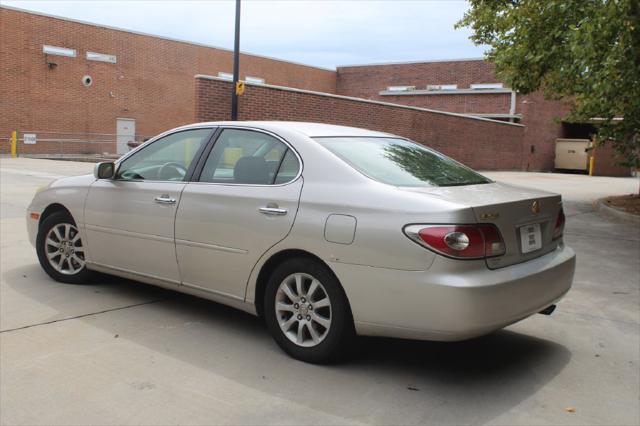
120,352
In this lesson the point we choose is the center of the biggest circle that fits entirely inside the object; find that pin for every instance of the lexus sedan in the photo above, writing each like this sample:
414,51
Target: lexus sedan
326,232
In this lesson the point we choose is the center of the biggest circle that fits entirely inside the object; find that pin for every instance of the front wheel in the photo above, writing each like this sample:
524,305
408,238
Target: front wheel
307,311
60,249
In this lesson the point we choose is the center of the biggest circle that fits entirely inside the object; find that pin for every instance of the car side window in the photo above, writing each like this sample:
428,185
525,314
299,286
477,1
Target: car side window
289,168
166,159
245,157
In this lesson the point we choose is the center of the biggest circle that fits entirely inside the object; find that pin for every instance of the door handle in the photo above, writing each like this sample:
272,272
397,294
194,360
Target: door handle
272,211
164,199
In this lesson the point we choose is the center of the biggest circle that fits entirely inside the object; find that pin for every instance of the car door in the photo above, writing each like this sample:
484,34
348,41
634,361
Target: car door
130,218
244,201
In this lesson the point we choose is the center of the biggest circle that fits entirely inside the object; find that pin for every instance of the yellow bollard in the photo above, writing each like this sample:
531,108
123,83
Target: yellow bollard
591,159
14,143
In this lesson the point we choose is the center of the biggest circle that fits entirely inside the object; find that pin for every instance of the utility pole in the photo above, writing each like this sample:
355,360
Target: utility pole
236,66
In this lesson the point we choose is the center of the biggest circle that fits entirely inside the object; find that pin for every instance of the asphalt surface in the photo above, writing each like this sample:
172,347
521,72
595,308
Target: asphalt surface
120,352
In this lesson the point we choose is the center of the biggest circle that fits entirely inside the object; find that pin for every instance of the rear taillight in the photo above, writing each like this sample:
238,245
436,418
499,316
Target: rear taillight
559,229
459,241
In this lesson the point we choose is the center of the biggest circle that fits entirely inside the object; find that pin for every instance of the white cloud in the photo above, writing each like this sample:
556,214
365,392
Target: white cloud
322,33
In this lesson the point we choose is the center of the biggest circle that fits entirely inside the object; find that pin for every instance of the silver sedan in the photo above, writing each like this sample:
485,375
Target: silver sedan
326,232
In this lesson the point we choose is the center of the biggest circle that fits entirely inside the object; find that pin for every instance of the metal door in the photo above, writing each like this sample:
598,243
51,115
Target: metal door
125,132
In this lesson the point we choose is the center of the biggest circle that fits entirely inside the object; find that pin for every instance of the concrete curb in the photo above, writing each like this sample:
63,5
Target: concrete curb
601,206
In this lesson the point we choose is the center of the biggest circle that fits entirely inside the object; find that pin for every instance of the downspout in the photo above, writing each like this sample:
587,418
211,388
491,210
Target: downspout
512,108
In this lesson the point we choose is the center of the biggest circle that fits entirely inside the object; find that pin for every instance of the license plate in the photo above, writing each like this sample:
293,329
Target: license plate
530,237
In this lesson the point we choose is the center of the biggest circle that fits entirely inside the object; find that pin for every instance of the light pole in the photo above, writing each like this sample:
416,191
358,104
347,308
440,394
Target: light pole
236,65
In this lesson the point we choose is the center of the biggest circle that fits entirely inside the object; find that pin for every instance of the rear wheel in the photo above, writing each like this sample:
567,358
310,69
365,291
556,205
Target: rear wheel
60,249
307,312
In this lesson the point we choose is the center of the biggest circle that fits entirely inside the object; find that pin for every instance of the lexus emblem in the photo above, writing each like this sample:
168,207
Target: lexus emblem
535,207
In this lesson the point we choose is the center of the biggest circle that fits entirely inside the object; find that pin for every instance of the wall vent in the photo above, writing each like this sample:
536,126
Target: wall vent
101,57
58,51
442,87
400,88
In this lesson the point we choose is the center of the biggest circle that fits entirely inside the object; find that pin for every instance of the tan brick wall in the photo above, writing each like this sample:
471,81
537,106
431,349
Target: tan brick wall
481,144
151,82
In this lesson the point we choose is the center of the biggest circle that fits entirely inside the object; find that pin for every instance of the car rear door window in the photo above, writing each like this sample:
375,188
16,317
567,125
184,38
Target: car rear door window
248,157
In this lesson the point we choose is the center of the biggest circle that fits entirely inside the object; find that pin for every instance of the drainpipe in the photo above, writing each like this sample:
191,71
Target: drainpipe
512,108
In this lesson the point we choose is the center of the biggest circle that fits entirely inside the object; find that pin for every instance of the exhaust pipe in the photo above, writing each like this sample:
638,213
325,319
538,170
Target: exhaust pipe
548,310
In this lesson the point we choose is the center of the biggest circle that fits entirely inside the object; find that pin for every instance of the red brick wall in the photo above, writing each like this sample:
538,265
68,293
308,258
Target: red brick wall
606,162
540,116
151,82
481,144
465,104
367,81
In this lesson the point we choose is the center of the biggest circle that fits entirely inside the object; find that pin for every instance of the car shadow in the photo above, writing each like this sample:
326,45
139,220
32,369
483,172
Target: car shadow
424,382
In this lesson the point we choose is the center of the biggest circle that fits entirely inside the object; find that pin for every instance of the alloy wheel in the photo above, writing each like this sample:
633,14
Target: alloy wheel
64,249
303,309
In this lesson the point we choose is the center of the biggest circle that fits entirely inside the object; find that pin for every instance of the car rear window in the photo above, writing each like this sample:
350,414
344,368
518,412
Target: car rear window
400,162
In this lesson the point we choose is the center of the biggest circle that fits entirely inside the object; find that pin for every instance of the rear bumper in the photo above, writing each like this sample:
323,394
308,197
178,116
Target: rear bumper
453,300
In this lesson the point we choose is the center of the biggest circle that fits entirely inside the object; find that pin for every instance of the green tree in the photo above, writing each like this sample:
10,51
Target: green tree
584,50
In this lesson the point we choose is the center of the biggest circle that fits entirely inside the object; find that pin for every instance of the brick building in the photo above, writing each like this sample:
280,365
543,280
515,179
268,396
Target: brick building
133,76
81,86
467,86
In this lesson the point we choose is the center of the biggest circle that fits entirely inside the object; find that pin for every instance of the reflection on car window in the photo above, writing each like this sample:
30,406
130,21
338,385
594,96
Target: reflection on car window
166,159
245,157
400,162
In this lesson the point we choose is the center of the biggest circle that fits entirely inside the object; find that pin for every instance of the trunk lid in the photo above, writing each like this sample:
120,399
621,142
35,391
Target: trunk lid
525,217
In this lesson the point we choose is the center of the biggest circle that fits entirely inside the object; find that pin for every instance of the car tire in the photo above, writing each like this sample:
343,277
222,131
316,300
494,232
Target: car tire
322,312
60,249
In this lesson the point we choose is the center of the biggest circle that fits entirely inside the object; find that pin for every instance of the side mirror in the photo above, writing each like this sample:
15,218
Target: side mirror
104,170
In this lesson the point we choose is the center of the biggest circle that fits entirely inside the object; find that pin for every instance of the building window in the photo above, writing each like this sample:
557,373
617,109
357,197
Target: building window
401,88
487,86
101,57
442,87
58,51
254,80
225,75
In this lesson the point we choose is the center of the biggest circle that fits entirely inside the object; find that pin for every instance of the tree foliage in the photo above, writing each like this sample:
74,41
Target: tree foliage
584,50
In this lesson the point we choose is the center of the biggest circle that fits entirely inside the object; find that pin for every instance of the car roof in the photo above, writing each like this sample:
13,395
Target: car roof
306,128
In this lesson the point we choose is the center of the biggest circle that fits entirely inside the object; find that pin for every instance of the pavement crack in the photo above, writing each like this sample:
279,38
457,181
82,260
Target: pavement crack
149,302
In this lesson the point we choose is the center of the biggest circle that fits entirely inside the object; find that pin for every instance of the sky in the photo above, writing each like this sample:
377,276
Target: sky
324,33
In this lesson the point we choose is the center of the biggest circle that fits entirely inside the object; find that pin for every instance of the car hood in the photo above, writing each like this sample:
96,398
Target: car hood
73,181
